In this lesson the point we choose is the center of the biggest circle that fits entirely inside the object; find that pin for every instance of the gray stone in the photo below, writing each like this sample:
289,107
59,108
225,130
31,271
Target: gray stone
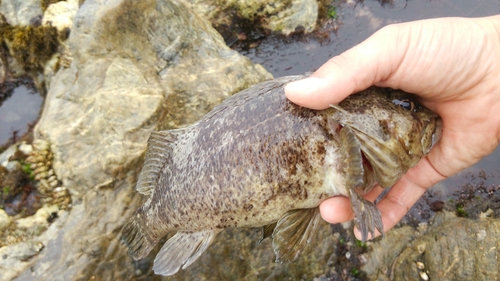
283,16
38,219
4,156
301,14
61,14
452,248
13,165
236,254
25,148
20,12
5,220
137,66
15,258
383,252
132,74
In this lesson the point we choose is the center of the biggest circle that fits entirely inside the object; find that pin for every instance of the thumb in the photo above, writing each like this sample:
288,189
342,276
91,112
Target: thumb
364,65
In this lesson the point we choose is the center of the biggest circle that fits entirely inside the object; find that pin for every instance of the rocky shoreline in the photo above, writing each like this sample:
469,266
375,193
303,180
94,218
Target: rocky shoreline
125,68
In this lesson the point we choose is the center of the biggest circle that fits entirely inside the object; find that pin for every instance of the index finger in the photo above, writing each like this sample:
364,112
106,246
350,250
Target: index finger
354,70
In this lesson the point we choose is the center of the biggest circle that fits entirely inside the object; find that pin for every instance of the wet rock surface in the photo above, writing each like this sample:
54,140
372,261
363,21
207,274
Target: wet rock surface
156,68
237,255
82,244
21,12
136,66
452,248
284,16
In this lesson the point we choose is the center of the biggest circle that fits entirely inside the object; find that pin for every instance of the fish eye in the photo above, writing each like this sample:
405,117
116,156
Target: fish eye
405,103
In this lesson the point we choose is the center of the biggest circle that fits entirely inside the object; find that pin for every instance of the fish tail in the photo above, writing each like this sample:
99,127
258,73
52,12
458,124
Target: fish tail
134,236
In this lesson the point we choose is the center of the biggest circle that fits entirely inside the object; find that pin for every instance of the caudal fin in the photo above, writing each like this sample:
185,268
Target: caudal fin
134,237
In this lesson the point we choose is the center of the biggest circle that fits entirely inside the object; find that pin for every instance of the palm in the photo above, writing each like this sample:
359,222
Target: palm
452,65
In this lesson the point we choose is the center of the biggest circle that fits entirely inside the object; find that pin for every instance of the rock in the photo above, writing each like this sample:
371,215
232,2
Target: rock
25,148
9,152
13,166
15,258
21,12
161,74
61,14
137,66
237,254
285,16
38,219
383,252
301,15
5,220
28,45
453,248
6,157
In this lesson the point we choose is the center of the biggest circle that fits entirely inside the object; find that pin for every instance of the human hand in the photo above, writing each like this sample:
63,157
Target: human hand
452,64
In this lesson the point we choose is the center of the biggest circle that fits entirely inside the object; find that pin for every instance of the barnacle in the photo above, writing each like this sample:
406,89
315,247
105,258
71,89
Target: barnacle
40,160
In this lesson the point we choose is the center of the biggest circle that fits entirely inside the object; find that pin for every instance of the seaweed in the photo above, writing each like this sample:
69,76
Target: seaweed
31,46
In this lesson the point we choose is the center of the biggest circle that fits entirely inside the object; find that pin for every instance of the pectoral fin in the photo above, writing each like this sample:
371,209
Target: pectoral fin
367,216
182,250
351,155
293,231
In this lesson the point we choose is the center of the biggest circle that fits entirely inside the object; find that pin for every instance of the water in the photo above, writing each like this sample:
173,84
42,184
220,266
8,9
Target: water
357,22
19,111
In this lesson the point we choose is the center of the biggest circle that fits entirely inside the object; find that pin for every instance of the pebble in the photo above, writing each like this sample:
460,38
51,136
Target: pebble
420,265
12,166
4,157
25,148
39,218
5,220
424,276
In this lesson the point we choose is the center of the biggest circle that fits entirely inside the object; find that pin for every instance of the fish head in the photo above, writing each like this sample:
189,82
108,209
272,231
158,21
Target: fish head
394,131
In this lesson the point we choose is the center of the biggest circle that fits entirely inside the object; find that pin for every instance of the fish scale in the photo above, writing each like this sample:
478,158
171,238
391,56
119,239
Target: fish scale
259,160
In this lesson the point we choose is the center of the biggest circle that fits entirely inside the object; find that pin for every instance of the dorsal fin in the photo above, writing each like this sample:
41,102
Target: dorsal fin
160,145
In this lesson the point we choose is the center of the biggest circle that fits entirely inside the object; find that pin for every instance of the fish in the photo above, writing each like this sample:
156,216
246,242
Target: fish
259,160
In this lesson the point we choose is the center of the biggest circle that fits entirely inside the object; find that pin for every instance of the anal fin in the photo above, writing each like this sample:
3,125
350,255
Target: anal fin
182,250
293,232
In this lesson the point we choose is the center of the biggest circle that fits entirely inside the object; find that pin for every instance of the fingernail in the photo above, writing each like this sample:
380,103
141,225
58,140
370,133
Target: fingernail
304,86
357,233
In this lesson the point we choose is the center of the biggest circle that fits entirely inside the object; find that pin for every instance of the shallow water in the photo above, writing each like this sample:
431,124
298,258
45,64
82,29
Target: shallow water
18,111
357,22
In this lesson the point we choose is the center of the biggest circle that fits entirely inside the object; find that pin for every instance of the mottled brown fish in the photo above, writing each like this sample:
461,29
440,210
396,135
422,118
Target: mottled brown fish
257,159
